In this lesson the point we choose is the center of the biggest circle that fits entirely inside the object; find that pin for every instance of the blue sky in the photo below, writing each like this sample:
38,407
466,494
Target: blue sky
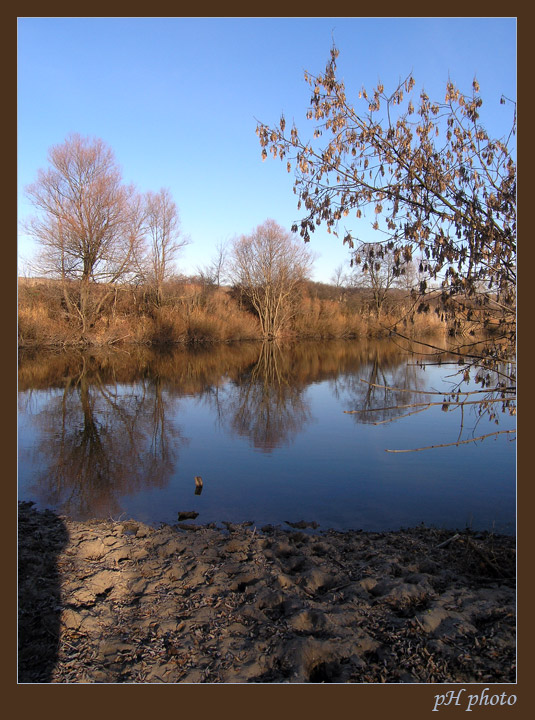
177,99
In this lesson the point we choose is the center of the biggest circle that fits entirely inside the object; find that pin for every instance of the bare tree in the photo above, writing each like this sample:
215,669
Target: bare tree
87,224
428,176
216,272
379,269
341,279
269,267
164,238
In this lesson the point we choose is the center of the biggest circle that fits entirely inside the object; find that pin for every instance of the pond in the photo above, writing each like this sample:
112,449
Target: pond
278,433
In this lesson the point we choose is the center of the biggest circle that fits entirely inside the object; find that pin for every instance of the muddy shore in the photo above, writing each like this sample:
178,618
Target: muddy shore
122,602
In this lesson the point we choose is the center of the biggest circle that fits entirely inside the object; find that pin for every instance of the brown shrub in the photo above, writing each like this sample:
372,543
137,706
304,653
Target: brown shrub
193,312
326,319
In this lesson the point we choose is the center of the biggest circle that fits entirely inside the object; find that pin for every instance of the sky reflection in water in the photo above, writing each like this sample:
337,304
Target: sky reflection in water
124,435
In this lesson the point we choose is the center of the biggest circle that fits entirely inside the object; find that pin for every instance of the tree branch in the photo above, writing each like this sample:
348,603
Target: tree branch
459,442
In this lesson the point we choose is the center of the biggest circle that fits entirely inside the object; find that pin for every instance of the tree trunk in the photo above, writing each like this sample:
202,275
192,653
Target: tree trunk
84,304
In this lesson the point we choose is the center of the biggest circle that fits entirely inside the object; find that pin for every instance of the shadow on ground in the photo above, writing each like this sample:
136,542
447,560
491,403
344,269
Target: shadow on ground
42,535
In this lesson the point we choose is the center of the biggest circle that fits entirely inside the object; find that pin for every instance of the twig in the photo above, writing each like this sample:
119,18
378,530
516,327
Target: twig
419,623
457,403
459,442
485,559
387,387
61,639
115,340
399,417
336,588
446,542
437,392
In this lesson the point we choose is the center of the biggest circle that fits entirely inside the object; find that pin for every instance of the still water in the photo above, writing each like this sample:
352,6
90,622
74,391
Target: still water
123,434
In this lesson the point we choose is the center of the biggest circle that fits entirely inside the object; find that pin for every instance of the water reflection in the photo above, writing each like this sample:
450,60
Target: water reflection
266,403
103,430
99,440
382,389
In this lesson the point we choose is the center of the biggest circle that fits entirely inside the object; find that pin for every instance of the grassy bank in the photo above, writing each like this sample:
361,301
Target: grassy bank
195,313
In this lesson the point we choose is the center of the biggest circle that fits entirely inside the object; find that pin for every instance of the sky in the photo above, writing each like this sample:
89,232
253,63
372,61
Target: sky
178,100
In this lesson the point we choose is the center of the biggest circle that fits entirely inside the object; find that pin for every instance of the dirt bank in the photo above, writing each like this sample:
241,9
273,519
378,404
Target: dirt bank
122,602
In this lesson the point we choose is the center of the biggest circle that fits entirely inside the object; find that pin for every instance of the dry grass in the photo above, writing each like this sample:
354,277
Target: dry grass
39,324
326,319
330,319
406,321
192,313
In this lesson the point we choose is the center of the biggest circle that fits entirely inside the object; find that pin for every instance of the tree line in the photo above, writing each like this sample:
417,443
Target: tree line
440,193
98,236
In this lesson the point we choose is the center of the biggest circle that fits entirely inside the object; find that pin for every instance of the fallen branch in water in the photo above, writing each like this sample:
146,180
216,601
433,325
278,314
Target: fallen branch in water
456,403
399,417
438,392
459,442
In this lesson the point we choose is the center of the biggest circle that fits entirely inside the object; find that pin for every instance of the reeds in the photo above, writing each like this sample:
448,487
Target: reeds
195,313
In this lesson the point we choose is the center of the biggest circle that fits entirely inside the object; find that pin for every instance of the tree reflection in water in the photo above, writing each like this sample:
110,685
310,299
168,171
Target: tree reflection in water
382,388
104,424
102,440
266,403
